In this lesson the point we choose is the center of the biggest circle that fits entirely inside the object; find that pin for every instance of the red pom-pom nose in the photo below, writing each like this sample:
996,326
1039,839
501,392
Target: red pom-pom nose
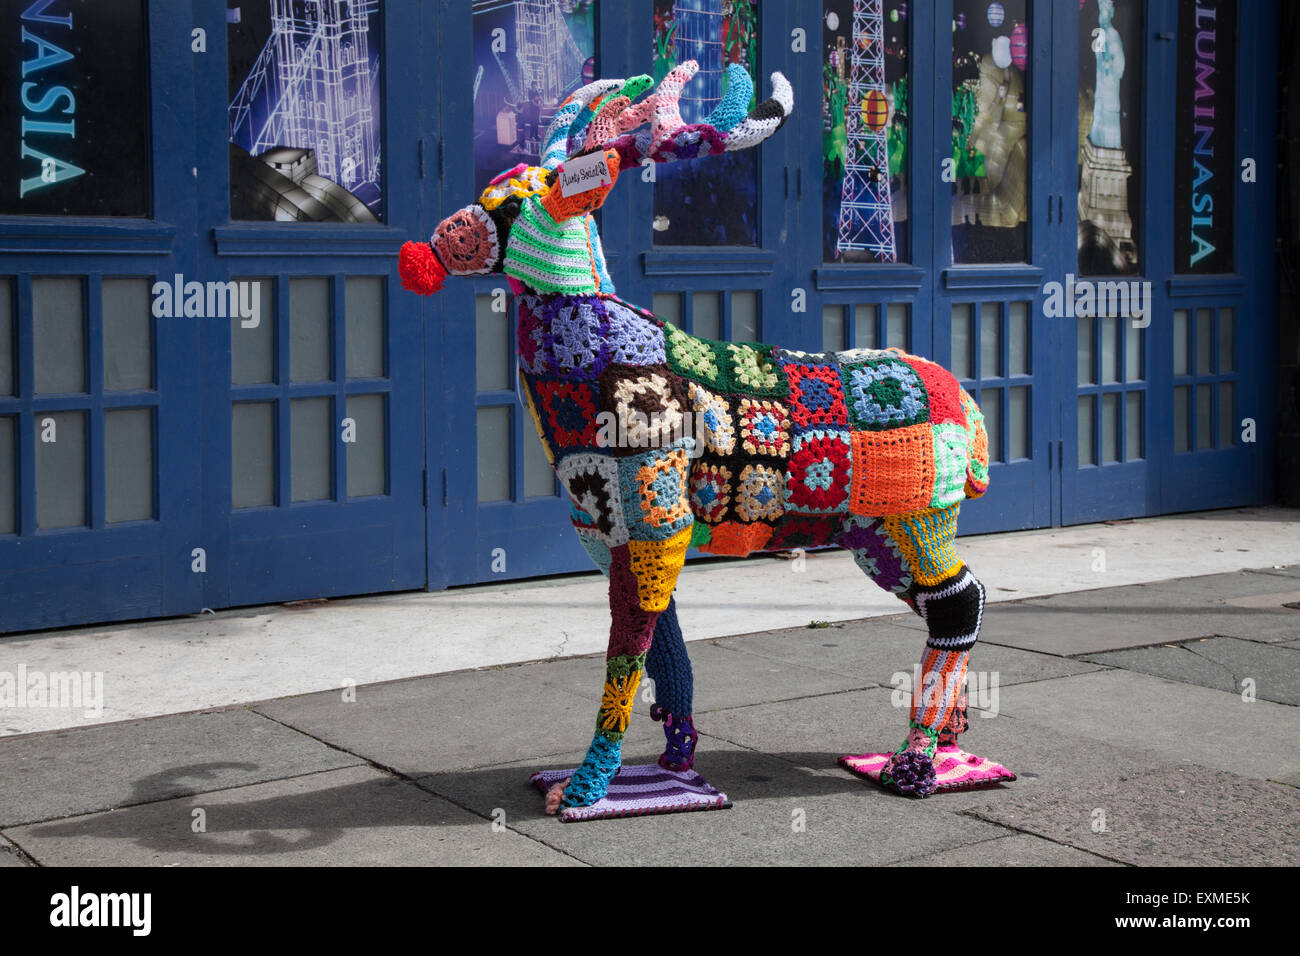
419,268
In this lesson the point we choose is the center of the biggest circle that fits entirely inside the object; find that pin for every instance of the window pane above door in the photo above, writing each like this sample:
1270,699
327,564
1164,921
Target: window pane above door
990,127
864,131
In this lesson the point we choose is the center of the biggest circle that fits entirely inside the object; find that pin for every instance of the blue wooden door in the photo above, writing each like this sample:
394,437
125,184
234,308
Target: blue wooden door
313,415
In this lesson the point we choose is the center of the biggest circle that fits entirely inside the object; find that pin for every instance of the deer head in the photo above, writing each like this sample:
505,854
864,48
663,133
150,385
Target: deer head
534,223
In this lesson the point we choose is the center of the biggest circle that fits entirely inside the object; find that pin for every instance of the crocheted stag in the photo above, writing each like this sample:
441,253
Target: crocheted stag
665,440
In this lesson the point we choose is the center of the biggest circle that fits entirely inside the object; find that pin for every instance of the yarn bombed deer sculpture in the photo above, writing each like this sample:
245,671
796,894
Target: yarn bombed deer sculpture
869,450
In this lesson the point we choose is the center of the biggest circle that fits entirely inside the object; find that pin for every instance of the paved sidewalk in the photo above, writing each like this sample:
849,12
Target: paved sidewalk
1150,724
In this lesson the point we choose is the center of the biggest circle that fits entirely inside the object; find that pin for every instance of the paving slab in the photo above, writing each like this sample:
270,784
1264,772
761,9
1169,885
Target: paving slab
1222,663
1018,849
69,772
1284,571
451,721
783,815
9,854
1184,816
881,649
725,676
1182,722
352,817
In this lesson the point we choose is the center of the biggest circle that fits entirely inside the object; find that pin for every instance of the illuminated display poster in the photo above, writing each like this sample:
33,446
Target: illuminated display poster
1206,170
75,108
304,114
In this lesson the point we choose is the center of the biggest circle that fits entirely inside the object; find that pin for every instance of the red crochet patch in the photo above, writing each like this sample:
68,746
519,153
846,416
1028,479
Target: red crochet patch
796,531
568,409
817,477
816,396
943,390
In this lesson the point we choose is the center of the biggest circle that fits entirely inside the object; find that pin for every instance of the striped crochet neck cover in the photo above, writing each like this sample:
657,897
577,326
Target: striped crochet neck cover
550,256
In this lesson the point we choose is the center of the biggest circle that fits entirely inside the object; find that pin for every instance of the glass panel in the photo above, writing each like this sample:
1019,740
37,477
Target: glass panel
668,306
494,358
60,469
744,316
1110,127
1182,418
309,330
1203,150
60,335
1132,426
527,58
8,466
706,315
128,335
865,131
128,464
1227,416
990,126
1182,360
1204,338
710,201
1086,454
990,340
311,435
1019,344
494,454
363,309
311,108
991,405
252,340
1110,349
1132,353
1085,350
961,340
1018,424
1204,416
368,455
896,325
6,337
1227,351
1109,428
833,328
539,477
252,454
864,326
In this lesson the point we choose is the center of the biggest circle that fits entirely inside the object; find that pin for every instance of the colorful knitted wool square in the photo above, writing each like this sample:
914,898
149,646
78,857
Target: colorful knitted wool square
818,475
764,427
894,471
639,790
926,540
883,393
592,481
653,485
633,340
942,391
951,460
700,360
575,335
656,565
977,479
622,676
803,531
648,405
759,493
753,371
714,423
876,552
568,413
736,538
632,626
816,396
711,491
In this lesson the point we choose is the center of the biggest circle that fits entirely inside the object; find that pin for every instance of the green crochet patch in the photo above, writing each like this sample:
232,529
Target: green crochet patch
726,367
700,534
755,372
700,360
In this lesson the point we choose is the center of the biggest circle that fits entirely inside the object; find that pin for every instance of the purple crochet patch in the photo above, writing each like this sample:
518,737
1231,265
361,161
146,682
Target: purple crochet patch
529,339
875,553
634,340
575,335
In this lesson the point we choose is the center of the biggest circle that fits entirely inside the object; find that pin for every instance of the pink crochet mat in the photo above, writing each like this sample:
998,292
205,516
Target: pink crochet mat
954,769
640,790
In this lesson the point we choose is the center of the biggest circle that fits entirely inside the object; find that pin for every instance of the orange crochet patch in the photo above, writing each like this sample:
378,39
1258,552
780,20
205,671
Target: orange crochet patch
562,207
893,471
734,537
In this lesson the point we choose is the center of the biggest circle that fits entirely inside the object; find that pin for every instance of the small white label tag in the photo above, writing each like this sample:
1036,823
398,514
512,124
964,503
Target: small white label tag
584,173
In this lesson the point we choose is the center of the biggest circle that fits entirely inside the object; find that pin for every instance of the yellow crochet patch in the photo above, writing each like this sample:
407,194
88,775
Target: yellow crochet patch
926,539
656,565
531,182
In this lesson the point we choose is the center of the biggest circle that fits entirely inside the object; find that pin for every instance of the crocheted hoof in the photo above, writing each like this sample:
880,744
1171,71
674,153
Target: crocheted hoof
954,769
679,753
555,796
910,773
638,790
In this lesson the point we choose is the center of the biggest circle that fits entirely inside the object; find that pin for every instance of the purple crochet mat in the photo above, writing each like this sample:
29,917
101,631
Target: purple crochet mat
640,790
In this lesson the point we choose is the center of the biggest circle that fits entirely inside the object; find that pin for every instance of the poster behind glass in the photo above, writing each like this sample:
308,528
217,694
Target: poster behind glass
527,58
864,131
711,201
75,114
990,126
1110,126
305,110
1205,175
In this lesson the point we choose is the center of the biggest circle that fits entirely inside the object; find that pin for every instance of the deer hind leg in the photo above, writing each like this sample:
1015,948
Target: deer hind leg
912,555
669,667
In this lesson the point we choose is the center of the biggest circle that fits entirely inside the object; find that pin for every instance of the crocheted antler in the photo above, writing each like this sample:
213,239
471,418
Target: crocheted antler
610,120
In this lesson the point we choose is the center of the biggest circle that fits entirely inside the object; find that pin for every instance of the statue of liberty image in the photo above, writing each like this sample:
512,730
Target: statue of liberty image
1106,243
1110,69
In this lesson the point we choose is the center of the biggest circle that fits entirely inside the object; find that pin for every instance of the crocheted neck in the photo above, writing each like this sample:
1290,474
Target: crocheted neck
562,258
